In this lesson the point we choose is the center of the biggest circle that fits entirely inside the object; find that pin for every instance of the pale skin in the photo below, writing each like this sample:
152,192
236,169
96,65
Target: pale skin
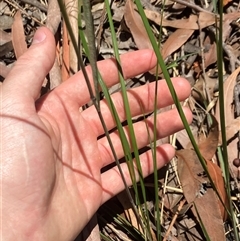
51,159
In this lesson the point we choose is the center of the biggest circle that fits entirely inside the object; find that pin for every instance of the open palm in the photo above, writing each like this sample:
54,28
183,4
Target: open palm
52,157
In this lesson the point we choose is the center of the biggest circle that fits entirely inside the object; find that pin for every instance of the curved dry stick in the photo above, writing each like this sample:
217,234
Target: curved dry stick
53,16
52,22
72,11
36,4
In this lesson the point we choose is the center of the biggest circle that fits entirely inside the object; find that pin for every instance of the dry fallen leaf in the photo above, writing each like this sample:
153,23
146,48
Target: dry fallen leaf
175,41
228,97
225,2
231,16
205,20
18,36
227,19
183,137
209,145
198,92
186,23
229,117
205,201
207,148
216,175
232,129
210,57
136,26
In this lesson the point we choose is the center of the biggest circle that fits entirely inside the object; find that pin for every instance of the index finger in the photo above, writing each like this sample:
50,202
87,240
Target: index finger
133,63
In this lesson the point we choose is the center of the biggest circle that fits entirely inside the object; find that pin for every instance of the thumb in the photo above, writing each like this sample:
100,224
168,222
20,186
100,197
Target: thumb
26,77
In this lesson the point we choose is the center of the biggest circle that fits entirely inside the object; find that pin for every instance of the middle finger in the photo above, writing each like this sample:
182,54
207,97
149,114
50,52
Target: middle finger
167,123
141,101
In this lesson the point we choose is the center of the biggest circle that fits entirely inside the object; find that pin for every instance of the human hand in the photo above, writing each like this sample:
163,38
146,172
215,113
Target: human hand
51,159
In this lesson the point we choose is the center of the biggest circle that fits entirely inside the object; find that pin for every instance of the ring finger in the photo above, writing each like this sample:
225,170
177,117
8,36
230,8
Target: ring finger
167,123
141,101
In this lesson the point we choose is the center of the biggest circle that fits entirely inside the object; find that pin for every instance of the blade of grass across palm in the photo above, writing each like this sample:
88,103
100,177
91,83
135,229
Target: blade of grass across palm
131,129
126,146
105,90
224,153
156,187
108,97
92,47
173,93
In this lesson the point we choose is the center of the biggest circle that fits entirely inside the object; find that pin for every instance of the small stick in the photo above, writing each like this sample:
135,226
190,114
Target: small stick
16,6
36,3
193,6
174,219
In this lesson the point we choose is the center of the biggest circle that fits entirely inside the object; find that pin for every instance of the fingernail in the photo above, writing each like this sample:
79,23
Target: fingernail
38,37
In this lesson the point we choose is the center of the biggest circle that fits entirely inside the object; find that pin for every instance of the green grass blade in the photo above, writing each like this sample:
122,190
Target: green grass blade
92,47
156,179
219,40
125,144
130,123
173,93
105,90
